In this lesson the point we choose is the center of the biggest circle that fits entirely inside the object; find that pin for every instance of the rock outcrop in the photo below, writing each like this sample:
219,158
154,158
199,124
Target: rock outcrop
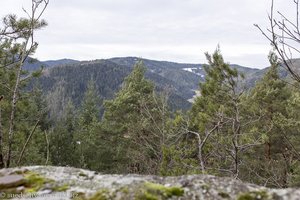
56,183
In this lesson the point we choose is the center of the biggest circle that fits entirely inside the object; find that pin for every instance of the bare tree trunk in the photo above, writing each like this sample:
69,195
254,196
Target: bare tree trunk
28,47
48,151
201,144
236,162
1,142
268,150
200,156
14,104
236,128
26,143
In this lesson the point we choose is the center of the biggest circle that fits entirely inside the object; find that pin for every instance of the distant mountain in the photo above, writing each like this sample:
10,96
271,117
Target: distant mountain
181,79
54,63
32,64
251,77
108,76
184,81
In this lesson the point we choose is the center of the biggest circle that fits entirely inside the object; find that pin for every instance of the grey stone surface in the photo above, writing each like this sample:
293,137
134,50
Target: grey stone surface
8,181
194,186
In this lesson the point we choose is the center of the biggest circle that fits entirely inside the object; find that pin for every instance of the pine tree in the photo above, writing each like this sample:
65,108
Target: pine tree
29,144
90,107
217,121
86,133
178,156
291,129
62,144
135,123
16,45
122,116
269,100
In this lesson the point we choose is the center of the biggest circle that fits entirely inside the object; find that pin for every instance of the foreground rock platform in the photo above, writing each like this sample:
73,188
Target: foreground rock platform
60,183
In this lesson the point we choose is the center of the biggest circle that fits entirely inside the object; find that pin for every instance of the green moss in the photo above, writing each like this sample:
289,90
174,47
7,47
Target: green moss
144,191
35,182
124,190
255,195
224,195
153,191
148,196
205,187
78,196
82,174
100,195
60,188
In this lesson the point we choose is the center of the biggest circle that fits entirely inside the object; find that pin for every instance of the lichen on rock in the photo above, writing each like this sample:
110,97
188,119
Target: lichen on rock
19,183
57,183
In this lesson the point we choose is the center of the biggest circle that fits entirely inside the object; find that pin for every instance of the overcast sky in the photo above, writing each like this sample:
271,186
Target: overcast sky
174,30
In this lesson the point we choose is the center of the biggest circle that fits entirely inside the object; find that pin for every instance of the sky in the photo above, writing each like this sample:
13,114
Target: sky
172,30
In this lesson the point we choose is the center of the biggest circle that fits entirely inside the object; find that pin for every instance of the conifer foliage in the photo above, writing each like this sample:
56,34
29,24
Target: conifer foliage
249,134
16,45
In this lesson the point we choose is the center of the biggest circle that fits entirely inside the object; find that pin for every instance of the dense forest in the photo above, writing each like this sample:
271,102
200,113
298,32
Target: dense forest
249,132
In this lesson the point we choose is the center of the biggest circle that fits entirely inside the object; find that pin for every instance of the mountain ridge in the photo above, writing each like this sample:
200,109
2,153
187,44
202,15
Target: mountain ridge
181,79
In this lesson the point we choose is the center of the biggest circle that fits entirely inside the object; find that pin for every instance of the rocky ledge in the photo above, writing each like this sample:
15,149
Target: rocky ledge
55,183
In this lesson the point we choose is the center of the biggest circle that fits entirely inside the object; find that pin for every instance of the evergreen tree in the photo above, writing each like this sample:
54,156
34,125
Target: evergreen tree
269,100
122,117
134,121
217,121
86,133
90,107
291,129
179,155
62,144
16,45
30,145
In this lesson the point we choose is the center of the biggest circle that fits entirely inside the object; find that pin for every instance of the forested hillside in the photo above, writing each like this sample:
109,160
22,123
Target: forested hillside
179,80
130,115
109,116
108,77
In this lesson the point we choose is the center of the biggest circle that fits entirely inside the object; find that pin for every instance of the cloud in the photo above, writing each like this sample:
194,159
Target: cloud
159,29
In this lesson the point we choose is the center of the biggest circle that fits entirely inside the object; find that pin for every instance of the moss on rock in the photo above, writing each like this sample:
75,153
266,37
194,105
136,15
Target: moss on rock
154,191
27,182
60,188
35,182
224,195
102,194
254,195
143,191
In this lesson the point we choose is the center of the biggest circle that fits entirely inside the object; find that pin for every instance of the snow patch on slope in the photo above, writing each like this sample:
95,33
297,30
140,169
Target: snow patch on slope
195,70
